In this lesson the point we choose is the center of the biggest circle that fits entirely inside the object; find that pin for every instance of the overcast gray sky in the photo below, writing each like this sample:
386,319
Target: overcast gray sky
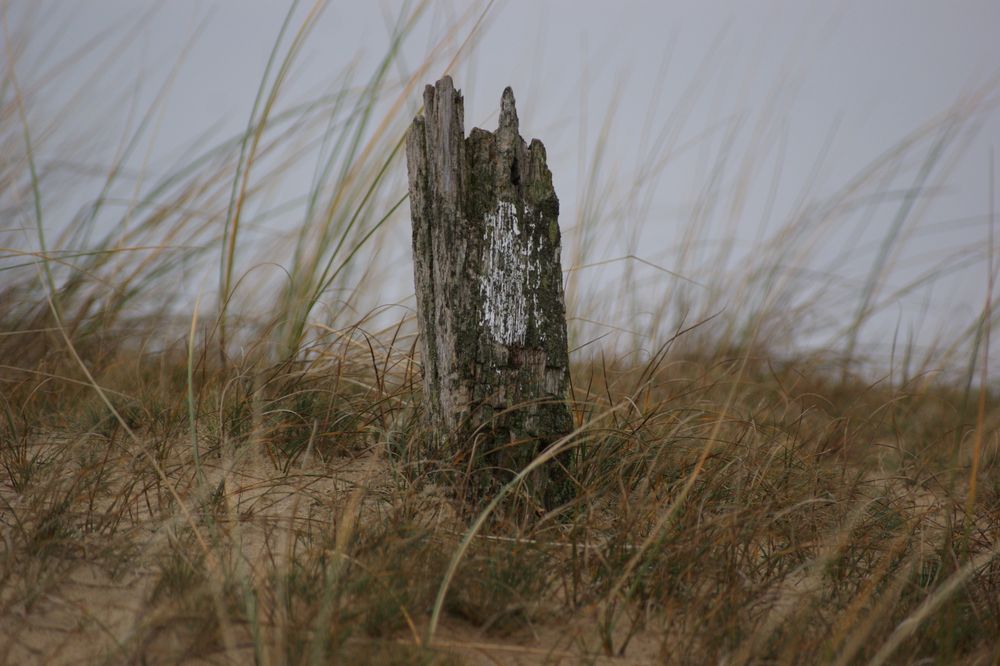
841,80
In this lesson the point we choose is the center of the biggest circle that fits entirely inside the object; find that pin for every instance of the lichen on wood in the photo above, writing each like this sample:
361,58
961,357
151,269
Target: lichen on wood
488,279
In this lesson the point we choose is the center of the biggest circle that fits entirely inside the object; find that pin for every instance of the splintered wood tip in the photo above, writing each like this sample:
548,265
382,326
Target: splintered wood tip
508,112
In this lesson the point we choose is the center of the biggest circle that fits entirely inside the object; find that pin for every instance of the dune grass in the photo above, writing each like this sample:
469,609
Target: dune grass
248,477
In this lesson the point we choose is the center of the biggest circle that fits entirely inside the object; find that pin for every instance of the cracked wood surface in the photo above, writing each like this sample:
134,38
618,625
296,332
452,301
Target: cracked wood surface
488,279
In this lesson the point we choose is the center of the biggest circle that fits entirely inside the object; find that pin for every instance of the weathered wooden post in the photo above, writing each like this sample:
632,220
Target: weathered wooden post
488,280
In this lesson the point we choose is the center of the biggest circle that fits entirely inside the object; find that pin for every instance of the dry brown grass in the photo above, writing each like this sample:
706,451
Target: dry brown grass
788,520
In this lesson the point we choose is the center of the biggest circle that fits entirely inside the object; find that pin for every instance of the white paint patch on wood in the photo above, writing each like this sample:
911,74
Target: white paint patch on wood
511,276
